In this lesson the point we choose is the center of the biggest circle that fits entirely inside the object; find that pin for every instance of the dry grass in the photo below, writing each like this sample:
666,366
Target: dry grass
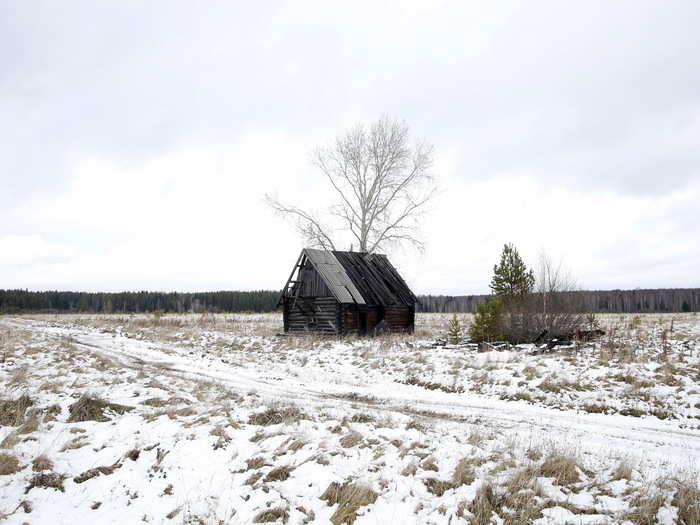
429,463
351,439
623,470
464,472
31,422
437,486
48,480
253,478
19,376
75,443
350,498
560,466
687,501
255,463
94,472
12,411
484,505
279,473
41,463
645,508
9,464
89,408
272,515
277,415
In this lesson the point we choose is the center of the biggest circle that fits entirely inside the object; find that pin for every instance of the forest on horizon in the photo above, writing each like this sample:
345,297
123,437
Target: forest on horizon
599,301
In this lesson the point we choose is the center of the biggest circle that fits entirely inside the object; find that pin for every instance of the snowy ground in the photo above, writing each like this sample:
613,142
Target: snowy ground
216,419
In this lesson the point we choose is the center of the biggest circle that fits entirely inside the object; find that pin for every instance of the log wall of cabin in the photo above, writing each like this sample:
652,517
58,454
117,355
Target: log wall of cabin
317,314
400,318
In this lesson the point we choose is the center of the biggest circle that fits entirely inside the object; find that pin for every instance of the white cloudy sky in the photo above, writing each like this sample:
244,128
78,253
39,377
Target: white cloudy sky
138,139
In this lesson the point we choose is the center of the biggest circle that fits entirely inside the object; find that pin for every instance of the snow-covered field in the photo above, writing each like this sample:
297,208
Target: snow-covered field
209,419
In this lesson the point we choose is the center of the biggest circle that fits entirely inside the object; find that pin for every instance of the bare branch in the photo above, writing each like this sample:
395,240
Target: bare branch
308,226
381,183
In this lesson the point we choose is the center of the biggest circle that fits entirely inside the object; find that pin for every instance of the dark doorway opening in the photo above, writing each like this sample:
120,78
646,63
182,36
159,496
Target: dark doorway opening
363,323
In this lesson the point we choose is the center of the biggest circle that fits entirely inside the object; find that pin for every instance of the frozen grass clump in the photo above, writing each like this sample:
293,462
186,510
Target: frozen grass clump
9,464
277,415
89,408
47,480
272,516
562,467
12,411
349,497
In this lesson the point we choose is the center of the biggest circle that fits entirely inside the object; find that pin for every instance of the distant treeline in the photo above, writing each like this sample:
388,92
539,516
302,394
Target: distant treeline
15,301
614,301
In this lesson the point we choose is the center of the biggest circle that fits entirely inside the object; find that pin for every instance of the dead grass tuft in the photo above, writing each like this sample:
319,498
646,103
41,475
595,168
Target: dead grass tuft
75,443
9,464
89,408
484,505
464,472
645,507
48,480
42,462
623,470
437,486
12,411
687,500
362,417
94,472
272,515
349,497
255,463
429,464
19,376
351,439
253,478
279,473
31,422
562,467
277,415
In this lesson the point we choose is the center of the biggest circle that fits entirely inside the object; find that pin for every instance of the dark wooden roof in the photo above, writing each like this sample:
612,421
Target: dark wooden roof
355,277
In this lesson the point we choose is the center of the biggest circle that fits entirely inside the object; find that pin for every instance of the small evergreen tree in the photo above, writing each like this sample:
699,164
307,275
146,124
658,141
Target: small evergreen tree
454,331
487,321
511,278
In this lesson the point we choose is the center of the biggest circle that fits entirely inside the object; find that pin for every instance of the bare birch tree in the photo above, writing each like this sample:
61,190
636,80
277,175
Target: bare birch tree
380,182
560,303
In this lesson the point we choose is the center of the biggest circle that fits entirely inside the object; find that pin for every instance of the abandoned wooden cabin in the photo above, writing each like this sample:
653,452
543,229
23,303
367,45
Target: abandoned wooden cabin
332,292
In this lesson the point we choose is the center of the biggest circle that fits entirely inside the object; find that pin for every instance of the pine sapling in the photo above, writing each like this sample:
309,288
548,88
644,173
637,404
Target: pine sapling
454,331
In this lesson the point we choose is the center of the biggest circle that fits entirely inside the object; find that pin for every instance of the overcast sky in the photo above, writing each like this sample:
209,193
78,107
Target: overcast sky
137,139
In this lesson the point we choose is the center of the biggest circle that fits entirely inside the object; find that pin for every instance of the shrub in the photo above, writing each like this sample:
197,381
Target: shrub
487,321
